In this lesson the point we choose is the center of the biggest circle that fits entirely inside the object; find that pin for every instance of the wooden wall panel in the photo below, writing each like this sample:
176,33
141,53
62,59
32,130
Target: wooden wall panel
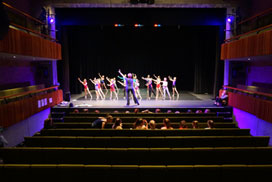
19,42
254,45
16,111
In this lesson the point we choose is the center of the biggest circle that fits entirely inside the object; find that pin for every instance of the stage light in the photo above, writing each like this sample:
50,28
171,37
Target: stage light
229,19
118,25
51,20
138,25
157,25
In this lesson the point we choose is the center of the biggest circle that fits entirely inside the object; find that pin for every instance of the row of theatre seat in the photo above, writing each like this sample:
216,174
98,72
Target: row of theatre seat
131,125
72,150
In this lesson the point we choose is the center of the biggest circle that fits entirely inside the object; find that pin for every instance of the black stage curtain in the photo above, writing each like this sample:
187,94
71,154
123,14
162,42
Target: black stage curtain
4,21
189,53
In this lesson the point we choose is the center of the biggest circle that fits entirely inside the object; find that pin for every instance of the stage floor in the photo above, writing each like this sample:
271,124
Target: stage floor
186,100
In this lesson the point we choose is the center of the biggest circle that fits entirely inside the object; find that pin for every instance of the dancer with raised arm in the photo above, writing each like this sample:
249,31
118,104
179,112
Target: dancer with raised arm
174,88
96,85
129,87
86,88
124,84
103,84
137,88
116,87
158,86
149,86
165,88
112,88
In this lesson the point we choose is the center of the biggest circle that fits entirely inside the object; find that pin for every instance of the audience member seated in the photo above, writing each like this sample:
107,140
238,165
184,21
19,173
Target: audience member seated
3,141
127,112
102,121
85,110
210,124
157,110
146,111
222,100
207,111
96,111
152,124
117,124
198,111
48,123
76,111
115,111
177,112
189,111
169,111
167,124
182,125
140,124
195,124
136,110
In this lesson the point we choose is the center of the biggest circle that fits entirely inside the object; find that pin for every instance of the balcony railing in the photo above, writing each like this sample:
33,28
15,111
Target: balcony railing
15,108
254,102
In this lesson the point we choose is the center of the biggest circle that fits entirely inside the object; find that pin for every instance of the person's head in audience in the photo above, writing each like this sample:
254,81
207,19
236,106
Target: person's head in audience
183,125
198,111
195,124
157,110
189,111
109,118
207,111
116,111
177,112
85,110
169,111
136,110
48,123
127,112
166,124
152,124
97,111
210,124
140,124
146,111
76,111
117,124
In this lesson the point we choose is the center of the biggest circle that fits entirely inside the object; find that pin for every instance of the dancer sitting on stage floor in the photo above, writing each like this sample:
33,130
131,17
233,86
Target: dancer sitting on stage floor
98,93
158,86
129,87
174,89
165,88
103,84
86,88
149,86
112,88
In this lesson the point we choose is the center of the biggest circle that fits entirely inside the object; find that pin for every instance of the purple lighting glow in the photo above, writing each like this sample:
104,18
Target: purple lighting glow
229,20
51,20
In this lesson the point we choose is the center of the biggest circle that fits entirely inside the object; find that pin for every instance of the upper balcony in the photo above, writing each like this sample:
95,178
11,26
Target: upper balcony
254,38
28,37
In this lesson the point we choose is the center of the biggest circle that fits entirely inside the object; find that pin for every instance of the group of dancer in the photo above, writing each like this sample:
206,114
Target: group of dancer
131,84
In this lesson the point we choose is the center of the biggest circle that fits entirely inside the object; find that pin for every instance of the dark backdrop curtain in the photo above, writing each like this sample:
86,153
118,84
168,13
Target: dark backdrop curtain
185,52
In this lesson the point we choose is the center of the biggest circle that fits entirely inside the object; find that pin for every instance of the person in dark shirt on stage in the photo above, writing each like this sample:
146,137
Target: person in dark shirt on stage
101,122
129,87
